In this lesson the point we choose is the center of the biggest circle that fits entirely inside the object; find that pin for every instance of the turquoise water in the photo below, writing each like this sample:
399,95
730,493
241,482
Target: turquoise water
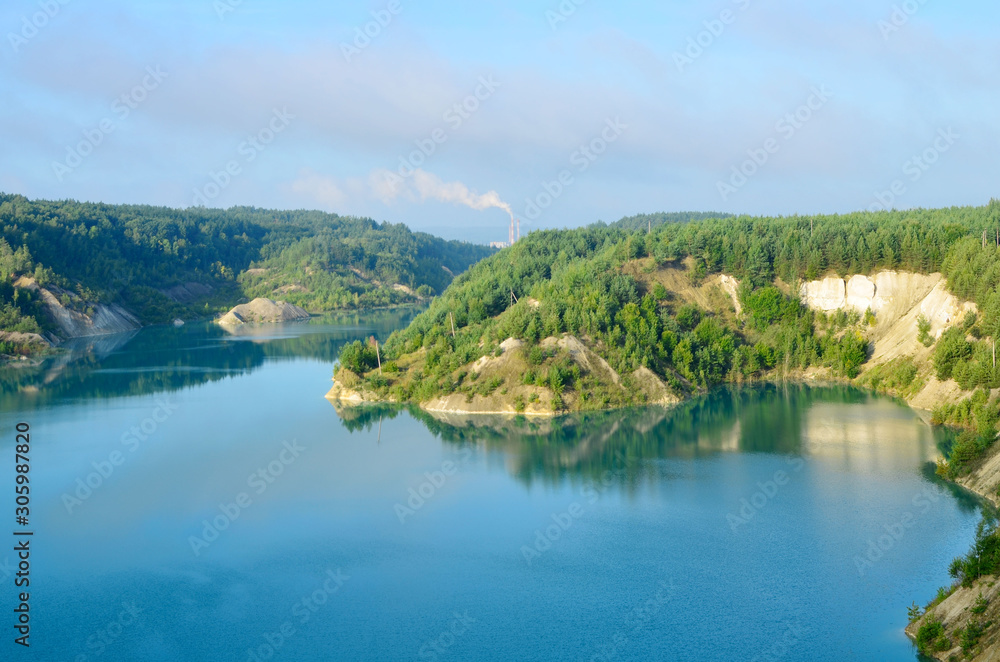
233,515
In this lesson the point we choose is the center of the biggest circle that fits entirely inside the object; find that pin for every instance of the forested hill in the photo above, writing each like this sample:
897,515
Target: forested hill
144,258
633,299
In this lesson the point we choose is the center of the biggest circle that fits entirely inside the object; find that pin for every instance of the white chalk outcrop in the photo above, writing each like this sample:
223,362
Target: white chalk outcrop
826,295
888,294
898,299
262,311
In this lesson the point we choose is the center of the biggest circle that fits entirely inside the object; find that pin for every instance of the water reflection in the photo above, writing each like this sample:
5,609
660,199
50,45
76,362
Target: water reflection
163,359
845,428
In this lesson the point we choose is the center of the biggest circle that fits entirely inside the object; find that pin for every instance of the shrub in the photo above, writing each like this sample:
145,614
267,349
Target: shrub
951,348
688,316
970,634
980,604
555,380
924,331
347,377
982,559
377,382
869,318
849,354
928,634
493,384
764,307
358,357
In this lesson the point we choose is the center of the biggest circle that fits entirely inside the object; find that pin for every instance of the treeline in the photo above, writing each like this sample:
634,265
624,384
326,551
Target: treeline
131,254
573,281
807,247
646,221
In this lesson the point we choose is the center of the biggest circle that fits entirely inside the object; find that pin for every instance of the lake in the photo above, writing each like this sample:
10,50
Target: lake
195,497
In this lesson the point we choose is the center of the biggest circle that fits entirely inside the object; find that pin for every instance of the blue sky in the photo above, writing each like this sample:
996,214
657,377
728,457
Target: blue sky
824,107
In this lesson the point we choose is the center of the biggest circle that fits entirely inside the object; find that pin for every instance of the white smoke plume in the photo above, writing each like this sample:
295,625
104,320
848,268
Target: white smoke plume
431,186
422,185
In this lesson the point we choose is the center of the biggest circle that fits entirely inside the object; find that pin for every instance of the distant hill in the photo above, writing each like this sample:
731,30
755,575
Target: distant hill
645,221
160,263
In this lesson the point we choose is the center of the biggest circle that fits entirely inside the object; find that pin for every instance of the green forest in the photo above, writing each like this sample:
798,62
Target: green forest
573,281
134,254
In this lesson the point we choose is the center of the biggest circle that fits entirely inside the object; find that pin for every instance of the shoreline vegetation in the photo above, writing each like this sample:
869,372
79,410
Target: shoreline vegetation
904,303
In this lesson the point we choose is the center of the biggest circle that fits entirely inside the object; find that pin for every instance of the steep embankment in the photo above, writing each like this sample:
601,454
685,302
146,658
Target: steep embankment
962,625
77,318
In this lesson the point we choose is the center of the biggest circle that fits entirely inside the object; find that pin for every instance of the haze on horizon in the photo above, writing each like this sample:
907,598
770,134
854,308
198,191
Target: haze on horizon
444,112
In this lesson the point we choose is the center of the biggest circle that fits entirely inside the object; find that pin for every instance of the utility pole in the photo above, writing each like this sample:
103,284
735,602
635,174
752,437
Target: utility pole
452,316
378,356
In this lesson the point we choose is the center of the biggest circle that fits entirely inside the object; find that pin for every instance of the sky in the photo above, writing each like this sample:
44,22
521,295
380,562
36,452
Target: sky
453,116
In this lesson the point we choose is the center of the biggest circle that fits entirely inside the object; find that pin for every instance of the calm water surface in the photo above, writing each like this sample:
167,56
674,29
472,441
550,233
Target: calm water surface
246,520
